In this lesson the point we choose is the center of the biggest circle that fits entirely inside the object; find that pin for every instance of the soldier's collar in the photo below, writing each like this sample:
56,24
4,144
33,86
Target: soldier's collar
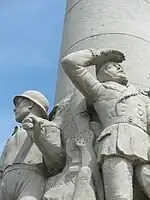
15,130
114,86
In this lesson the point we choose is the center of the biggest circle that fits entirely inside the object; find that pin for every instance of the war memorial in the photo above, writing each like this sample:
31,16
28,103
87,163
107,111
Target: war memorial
95,143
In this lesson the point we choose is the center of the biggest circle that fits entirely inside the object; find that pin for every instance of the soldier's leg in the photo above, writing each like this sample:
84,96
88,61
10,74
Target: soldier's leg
1,193
143,176
117,175
7,186
31,186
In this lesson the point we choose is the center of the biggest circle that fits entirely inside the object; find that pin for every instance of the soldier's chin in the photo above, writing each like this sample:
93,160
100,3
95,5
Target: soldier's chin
124,81
121,80
18,119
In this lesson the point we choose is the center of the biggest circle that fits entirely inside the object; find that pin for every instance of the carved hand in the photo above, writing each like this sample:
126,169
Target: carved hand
33,126
99,56
27,123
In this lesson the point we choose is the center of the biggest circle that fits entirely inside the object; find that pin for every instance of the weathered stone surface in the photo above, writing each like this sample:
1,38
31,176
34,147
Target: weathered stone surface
122,25
34,150
124,113
79,140
95,145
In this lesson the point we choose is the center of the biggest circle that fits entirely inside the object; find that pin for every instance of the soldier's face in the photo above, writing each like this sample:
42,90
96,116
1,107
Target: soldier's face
114,71
22,109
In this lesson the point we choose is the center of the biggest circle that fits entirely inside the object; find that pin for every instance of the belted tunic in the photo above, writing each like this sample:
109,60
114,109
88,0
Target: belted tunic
46,150
123,111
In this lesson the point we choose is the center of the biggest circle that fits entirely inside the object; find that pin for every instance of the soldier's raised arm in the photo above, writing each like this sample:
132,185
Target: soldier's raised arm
50,145
74,66
47,137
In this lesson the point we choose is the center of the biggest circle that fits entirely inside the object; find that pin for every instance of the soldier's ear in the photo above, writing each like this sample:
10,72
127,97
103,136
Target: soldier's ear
31,105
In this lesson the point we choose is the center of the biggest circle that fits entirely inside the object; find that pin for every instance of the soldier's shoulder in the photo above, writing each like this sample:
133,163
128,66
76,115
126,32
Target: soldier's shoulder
47,123
113,86
15,130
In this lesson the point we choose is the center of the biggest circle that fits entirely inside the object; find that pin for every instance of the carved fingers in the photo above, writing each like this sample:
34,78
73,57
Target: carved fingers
27,124
107,55
33,126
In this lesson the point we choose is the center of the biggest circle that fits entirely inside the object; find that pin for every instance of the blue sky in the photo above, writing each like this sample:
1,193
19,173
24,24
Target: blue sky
30,39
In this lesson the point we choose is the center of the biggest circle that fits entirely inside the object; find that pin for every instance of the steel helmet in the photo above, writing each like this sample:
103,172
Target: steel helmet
36,97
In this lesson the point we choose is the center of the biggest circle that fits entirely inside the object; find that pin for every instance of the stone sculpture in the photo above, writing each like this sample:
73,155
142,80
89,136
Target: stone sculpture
83,188
62,185
124,113
87,135
76,179
33,152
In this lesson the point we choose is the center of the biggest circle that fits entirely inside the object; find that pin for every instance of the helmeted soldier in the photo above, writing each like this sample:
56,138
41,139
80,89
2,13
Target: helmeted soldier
34,149
124,113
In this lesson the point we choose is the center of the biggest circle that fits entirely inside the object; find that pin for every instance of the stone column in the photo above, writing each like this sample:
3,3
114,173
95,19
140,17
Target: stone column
120,24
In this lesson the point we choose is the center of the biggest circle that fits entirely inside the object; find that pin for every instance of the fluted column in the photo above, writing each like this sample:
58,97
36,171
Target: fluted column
119,24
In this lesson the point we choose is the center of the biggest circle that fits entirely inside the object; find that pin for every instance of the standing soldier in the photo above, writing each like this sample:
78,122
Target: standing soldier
34,148
125,116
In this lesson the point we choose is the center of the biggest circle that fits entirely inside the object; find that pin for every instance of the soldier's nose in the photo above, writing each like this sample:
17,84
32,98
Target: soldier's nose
14,109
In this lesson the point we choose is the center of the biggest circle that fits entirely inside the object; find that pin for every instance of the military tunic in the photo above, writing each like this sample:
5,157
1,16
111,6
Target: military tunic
124,113
124,116
26,178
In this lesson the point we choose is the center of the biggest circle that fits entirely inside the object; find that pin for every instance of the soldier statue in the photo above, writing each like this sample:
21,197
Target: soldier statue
33,151
124,113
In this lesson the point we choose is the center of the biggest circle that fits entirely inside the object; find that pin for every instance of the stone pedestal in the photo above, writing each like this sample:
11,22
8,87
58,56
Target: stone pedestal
124,25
